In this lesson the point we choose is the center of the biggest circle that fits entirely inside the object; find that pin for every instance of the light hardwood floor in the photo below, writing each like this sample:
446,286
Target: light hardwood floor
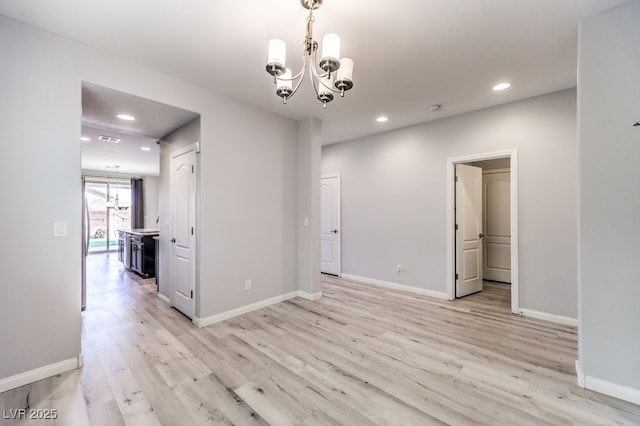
361,355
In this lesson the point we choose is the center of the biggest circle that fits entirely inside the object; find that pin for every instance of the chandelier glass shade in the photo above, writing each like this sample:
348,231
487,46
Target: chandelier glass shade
334,76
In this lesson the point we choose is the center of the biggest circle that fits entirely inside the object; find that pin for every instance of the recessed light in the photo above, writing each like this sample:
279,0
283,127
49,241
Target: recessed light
382,119
145,148
84,138
434,108
126,117
501,86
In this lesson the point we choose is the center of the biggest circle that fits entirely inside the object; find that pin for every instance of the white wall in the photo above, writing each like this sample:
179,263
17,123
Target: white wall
248,200
394,197
609,238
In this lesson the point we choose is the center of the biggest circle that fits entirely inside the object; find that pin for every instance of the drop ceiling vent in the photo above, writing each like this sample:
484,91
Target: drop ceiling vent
111,139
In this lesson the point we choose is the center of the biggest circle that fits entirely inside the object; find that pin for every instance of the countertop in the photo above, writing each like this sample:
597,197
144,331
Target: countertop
141,232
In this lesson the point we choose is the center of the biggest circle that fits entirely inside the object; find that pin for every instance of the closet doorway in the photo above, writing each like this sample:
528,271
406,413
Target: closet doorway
499,259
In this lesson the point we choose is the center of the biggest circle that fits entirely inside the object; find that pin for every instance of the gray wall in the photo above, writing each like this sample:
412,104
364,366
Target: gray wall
248,194
394,197
609,239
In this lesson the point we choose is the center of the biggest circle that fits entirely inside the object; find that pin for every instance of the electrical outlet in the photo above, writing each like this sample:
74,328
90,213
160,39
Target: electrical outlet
399,268
247,285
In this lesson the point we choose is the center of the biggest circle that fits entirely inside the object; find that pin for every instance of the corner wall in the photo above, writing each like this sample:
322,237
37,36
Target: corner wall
609,236
394,197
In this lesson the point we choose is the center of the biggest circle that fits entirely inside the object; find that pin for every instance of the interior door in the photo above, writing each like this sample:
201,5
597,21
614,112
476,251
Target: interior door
496,194
330,225
183,206
468,230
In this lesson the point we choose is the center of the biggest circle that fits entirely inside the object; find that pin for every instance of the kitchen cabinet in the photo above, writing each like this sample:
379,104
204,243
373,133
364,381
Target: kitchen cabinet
121,246
138,251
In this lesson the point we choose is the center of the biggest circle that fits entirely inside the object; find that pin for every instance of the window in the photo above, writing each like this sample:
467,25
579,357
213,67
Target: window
108,207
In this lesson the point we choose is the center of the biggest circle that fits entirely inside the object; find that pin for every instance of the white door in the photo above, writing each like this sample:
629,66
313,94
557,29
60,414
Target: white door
468,230
330,225
183,216
496,191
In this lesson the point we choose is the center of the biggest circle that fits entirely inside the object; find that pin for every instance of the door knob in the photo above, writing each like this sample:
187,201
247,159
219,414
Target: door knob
335,231
173,240
480,235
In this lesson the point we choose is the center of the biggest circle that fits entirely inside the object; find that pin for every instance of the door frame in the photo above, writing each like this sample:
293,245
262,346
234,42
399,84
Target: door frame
339,235
512,154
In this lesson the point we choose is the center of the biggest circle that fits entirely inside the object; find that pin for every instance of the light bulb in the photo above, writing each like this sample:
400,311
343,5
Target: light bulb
277,52
331,46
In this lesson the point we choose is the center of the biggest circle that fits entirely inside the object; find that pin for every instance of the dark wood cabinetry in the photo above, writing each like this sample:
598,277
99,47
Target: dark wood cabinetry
137,251
121,246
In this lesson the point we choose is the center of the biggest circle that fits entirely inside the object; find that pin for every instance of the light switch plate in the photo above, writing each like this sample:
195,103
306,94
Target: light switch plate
59,229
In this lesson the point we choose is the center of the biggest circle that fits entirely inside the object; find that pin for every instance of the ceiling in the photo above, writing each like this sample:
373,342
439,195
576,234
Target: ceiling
137,152
408,54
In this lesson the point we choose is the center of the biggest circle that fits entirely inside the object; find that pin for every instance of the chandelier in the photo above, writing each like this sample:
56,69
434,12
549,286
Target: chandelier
115,203
335,75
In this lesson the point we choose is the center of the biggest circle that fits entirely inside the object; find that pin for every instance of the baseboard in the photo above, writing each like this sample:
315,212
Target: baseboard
40,373
203,322
612,389
164,298
558,319
607,388
309,296
396,286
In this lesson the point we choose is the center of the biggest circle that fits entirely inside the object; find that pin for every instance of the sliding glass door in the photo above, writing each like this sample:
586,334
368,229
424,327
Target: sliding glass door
108,202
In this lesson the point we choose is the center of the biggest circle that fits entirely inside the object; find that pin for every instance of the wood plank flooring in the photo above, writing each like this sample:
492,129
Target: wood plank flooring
360,355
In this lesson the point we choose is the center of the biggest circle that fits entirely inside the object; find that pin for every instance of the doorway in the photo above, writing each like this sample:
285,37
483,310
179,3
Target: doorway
330,232
452,254
496,220
119,144
107,211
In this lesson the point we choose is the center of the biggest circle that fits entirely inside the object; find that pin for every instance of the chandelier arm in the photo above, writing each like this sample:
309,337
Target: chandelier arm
294,78
329,87
299,82
320,77
314,61
313,80
320,80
